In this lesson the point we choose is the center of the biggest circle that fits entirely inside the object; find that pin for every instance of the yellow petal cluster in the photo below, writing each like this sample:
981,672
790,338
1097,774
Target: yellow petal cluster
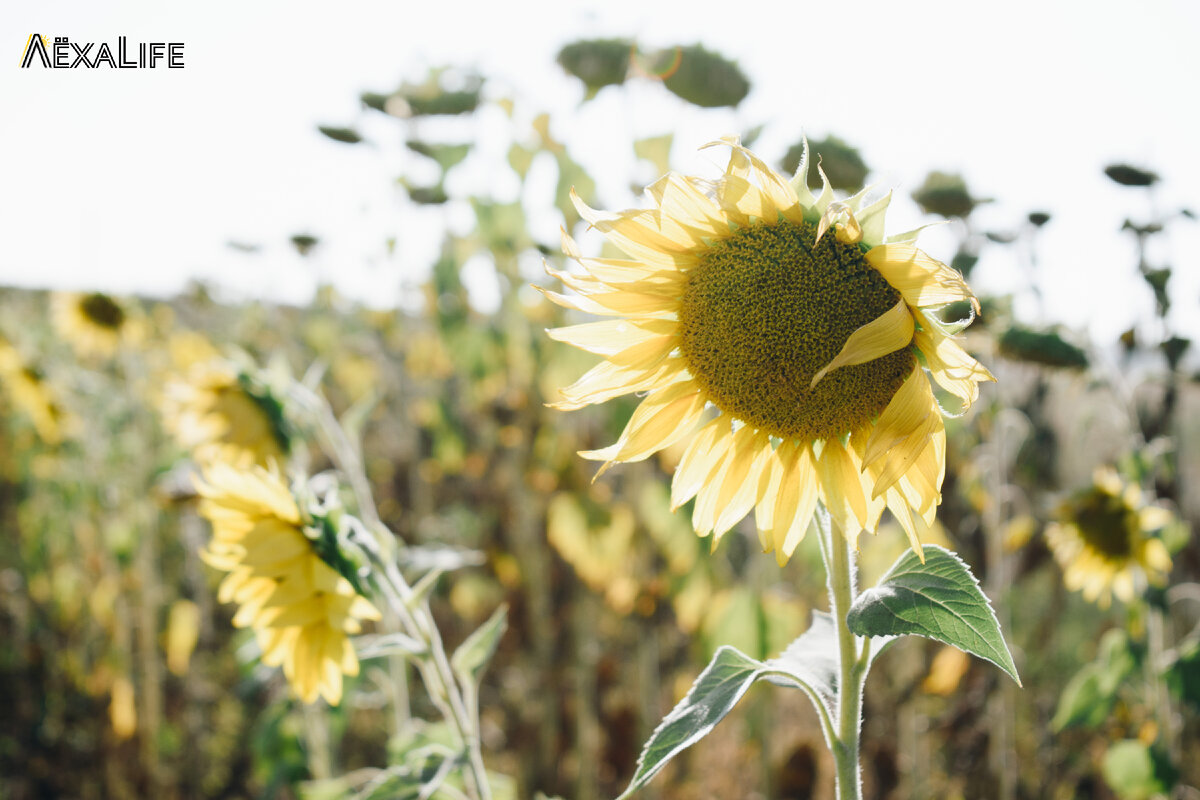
300,608
210,412
1102,540
28,392
784,339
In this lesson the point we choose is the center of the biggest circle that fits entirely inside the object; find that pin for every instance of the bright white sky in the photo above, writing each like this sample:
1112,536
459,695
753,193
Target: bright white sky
135,180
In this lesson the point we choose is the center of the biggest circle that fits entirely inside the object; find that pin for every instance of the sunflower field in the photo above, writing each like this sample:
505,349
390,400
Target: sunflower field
586,539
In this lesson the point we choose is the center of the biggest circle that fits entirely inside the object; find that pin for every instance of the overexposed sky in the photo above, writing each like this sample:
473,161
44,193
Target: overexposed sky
136,180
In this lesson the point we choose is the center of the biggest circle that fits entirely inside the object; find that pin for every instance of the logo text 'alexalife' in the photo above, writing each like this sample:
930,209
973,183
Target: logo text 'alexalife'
65,54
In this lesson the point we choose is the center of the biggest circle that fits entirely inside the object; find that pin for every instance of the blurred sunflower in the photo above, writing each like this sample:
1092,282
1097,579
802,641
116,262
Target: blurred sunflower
219,413
299,607
93,323
810,334
1102,540
28,392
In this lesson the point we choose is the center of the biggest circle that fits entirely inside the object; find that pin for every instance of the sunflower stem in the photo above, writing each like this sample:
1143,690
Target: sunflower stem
839,567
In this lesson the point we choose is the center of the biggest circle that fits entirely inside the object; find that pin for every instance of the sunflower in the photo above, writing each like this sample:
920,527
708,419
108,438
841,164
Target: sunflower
93,323
811,336
28,391
219,413
299,607
1102,540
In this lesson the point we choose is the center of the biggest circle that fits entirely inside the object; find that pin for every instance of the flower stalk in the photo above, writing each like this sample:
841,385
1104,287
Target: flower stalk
853,657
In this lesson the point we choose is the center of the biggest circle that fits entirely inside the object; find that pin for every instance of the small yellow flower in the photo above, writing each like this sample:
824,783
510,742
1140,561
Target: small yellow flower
299,607
29,393
93,323
213,412
1102,540
809,333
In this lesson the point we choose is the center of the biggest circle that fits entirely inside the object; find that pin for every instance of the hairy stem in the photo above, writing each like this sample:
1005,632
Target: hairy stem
852,658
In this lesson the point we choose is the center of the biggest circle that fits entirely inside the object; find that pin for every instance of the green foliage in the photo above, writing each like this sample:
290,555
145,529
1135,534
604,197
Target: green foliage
446,155
1047,348
1129,175
1137,772
1183,675
597,62
343,135
701,76
1089,696
946,195
477,649
939,599
842,163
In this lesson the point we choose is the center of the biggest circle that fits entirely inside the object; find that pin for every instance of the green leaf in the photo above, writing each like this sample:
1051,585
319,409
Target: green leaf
812,661
715,692
1089,695
656,150
1136,772
1183,676
343,135
939,599
389,644
476,650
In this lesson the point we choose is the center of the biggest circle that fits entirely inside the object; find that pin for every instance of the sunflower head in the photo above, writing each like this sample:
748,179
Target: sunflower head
221,412
785,338
93,323
1103,540
29,392
300,608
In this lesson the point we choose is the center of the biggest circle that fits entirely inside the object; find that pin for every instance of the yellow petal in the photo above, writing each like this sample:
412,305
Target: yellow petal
611,336
910,408
923,281
697,460
635,369
804,475
663,418
885,334
740,488
951,366
841,489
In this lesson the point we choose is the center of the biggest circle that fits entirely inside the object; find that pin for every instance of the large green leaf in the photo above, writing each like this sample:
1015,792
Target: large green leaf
812,661
809,663
715,692
939,599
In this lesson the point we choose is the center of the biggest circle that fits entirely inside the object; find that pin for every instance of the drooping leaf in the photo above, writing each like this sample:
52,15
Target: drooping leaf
809,663
718,688
939,599
476,650
812,660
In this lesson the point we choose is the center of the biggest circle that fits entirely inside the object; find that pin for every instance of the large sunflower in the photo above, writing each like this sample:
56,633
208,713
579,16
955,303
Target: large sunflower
810,335
1102,540
299,607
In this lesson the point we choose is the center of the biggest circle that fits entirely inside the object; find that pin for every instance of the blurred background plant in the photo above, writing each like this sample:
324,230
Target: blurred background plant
122,676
